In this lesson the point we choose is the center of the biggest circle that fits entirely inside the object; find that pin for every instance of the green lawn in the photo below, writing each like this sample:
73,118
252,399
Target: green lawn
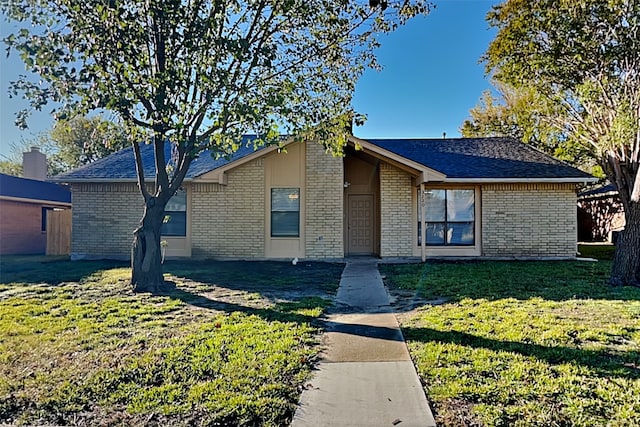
230,345
524,343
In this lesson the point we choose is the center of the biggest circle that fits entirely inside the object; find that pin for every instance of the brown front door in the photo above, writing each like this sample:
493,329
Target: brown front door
361,234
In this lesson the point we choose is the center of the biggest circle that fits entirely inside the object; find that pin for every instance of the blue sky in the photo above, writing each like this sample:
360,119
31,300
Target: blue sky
431,77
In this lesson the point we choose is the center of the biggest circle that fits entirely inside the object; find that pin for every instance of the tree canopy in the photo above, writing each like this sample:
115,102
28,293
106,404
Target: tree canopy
70,144
81,140
200,73
583,56
528,116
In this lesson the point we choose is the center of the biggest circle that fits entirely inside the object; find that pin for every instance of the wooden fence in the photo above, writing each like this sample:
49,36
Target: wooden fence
59,232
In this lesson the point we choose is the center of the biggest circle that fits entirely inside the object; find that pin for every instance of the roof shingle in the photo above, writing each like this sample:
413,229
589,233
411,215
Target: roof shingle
480,158
457,158
121,166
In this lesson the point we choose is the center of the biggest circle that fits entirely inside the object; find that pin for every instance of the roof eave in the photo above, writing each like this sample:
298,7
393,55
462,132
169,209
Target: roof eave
423,173
218,175
36,201
105,180
598,196
584,180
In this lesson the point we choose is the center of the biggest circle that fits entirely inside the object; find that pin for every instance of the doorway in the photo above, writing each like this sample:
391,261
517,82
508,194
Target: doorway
360,224
361,204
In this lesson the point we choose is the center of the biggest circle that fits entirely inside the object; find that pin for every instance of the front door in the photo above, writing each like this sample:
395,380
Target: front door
360,223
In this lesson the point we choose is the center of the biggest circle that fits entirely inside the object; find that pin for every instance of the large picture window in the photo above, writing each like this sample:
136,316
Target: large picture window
175,215
450,217
285,212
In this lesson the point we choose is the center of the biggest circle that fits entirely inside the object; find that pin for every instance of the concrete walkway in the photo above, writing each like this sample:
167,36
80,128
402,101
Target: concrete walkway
366,377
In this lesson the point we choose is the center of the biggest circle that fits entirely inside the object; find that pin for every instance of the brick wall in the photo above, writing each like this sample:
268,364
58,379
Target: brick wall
396,212
104,217
324,205
21,228
228,221
529,220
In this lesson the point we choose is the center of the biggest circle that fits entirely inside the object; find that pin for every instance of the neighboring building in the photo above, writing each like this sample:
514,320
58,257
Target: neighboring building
25,205
600,214
35,216
490,197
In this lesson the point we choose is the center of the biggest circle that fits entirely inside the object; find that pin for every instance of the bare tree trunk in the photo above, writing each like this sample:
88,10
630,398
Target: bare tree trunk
626,261
146,255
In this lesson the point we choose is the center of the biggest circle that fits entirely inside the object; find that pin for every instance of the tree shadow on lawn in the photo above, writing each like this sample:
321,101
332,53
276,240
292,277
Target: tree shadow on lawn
251,276
264,277
286,312
603,363
281,312
493,280
36,269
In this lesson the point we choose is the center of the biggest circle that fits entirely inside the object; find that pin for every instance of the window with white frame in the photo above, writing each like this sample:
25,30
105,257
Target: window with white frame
285,212
175,215
449,216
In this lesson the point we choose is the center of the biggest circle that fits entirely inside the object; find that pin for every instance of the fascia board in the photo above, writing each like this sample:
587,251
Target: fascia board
36,201
520,180
424,173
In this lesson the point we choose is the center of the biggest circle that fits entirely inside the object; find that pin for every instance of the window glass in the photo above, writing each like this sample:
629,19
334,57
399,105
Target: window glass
435,205
43,226
285,212
459,233
450,217
178,202
460,206
435,233
175,215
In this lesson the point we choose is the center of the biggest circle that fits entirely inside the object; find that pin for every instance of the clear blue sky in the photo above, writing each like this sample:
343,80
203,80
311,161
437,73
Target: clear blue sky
430,80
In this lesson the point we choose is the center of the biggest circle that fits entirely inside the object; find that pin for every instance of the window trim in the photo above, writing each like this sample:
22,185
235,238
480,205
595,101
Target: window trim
43,218
167,213
297,213
474,223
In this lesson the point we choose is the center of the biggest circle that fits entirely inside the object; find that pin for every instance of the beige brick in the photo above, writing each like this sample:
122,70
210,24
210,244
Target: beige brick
396,232
104,218
529,220
228,220
324,204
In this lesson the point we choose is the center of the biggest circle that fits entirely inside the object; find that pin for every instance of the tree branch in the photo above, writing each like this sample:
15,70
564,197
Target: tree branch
140,171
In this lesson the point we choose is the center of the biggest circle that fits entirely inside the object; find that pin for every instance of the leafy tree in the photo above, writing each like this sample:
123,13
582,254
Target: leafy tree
200,73
12,163
69,144
9,167
525,114
585,57
82,140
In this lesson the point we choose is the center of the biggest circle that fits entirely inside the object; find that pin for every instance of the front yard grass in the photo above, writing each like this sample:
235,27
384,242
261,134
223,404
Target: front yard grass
230,345
523,343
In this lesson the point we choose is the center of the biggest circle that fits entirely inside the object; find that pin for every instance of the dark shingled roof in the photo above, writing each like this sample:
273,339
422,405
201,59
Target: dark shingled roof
603,191
458,158
480,158
121,166
23,188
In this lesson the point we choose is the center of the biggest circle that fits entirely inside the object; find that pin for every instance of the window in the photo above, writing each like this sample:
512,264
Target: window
175,215
285,212
43,219
449,216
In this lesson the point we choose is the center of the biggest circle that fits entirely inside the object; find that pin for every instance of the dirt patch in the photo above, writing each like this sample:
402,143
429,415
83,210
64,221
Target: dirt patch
456,413
251,284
